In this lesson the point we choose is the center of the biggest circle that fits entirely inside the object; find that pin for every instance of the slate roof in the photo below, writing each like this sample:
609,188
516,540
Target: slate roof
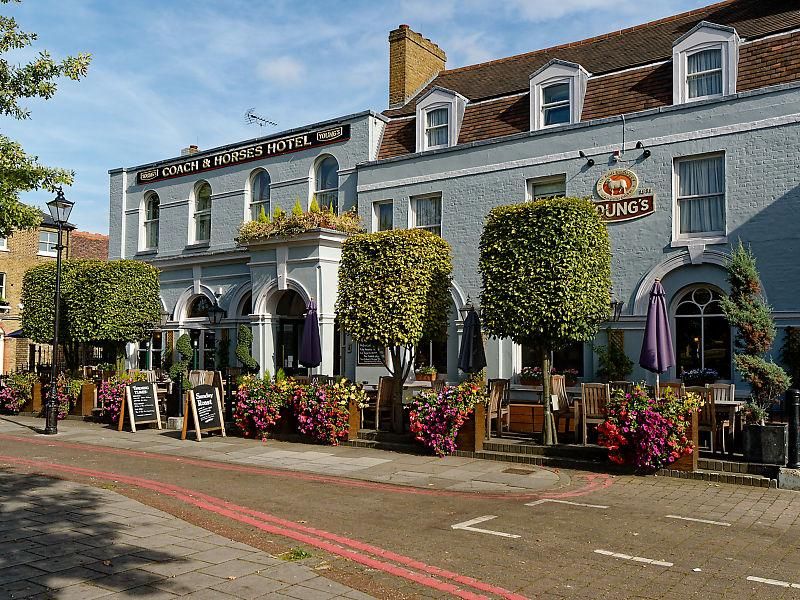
649,46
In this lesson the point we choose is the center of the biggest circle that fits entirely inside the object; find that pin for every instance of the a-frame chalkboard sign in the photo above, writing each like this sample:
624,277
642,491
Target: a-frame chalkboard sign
203,406
140,405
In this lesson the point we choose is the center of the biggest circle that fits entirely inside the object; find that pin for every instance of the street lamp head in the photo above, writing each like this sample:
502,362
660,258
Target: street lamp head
60,207
216,314
467,308
163,318
616,310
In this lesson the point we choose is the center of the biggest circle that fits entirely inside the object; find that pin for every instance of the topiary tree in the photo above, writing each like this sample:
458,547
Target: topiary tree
244,348
394,289
747,310
546,270
180,367
104,303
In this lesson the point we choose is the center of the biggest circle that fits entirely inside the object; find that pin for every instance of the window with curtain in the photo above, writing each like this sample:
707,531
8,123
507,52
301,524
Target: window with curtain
3,243
259,195
704,73
202,213
384,215
326,184
702,332
2,286
428,213
543,188
151,215
555,104
701,196
436,128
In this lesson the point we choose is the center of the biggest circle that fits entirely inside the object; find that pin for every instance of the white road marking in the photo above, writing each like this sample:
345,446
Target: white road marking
542,501
468,526
706,521
785,584
640,559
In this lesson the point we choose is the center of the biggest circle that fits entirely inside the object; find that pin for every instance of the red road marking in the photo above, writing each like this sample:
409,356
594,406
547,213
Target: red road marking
594,481
297,532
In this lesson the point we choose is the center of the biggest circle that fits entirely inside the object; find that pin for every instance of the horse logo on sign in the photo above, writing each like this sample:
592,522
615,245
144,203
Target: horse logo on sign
617,183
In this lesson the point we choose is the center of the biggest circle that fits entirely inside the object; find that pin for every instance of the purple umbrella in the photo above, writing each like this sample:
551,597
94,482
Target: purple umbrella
657,354
310,348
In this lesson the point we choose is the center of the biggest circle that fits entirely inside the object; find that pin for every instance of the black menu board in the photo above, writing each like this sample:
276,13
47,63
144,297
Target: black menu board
140,405
369,355
204,408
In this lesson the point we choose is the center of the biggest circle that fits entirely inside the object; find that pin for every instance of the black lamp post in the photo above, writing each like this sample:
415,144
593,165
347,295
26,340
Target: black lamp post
616,310
216,314
60,209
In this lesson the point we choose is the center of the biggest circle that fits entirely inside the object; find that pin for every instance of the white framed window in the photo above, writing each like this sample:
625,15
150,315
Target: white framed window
2,286
48,240
202,213
427,213
326,183
152,210
437,124
557,91
3,243
439,115
382,215
705,63
704,74
555,104
260,194
543,188
700,197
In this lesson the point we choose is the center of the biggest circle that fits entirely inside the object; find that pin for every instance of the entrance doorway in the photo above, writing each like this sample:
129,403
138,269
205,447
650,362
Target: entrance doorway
204,346
290,312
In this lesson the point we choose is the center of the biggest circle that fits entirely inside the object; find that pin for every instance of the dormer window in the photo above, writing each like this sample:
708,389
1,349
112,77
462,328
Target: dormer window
436,126
704,73
557,91
555,104
439,115
705,63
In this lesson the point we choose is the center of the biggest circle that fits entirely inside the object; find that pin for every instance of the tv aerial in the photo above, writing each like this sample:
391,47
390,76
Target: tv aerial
253,118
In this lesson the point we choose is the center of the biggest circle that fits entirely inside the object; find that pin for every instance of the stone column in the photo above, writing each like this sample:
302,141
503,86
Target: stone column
264,344
327,339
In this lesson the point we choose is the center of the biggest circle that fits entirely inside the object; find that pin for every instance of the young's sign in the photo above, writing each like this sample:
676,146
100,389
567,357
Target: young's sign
621,198
626,209
235,156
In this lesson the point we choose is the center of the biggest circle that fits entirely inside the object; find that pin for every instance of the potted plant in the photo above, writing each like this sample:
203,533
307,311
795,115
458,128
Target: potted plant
570,377
614,364
530,376
694,377
749,313
425,373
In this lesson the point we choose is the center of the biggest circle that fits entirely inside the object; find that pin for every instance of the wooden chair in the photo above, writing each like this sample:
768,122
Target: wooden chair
723,392
302,379
383,401
562,409
675,386
592,406
437,385
707,419
498,407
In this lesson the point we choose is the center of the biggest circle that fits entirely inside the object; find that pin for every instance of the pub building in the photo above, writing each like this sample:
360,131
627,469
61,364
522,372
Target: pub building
684,131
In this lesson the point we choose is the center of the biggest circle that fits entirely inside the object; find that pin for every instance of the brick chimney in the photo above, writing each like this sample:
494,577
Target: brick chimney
413,62
193,149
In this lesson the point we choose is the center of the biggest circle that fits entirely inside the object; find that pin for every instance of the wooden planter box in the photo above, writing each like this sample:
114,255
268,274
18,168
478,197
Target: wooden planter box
470,436
689,462
529,381
425,376
354,420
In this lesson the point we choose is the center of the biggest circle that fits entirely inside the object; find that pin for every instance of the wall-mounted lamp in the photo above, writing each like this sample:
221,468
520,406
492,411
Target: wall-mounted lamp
589,161
616,310
646,153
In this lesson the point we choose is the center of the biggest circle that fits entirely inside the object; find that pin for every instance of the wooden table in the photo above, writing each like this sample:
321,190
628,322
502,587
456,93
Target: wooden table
732,411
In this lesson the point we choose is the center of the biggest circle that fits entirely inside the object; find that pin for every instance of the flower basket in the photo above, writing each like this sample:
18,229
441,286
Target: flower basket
530,381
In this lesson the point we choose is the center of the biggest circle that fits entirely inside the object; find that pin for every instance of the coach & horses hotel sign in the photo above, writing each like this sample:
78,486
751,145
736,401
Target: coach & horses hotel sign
259,151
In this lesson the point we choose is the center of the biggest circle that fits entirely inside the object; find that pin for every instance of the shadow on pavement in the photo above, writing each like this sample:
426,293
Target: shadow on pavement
65,539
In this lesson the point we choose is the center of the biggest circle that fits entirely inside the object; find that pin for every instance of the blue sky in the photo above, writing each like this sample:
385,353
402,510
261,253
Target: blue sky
166,74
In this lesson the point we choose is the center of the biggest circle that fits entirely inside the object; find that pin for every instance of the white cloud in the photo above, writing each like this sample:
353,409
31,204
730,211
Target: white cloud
282,70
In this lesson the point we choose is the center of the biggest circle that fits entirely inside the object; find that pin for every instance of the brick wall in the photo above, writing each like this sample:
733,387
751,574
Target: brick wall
413,61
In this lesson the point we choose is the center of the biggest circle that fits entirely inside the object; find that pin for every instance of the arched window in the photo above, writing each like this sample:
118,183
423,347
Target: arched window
202,213
198,308
259,194
151,212
326,183
702,333
246,305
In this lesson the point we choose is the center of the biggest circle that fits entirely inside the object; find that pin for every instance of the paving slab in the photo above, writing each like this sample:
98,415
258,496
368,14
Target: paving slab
146,553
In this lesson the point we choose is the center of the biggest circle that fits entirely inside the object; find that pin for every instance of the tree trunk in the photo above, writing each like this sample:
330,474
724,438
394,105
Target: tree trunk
550,436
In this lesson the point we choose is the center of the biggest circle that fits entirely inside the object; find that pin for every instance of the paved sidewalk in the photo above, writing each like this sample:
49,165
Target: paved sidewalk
68,541
450,473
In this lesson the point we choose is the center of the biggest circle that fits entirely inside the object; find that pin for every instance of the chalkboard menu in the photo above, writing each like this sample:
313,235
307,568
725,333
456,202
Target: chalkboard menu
369,355
140,405
205,409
